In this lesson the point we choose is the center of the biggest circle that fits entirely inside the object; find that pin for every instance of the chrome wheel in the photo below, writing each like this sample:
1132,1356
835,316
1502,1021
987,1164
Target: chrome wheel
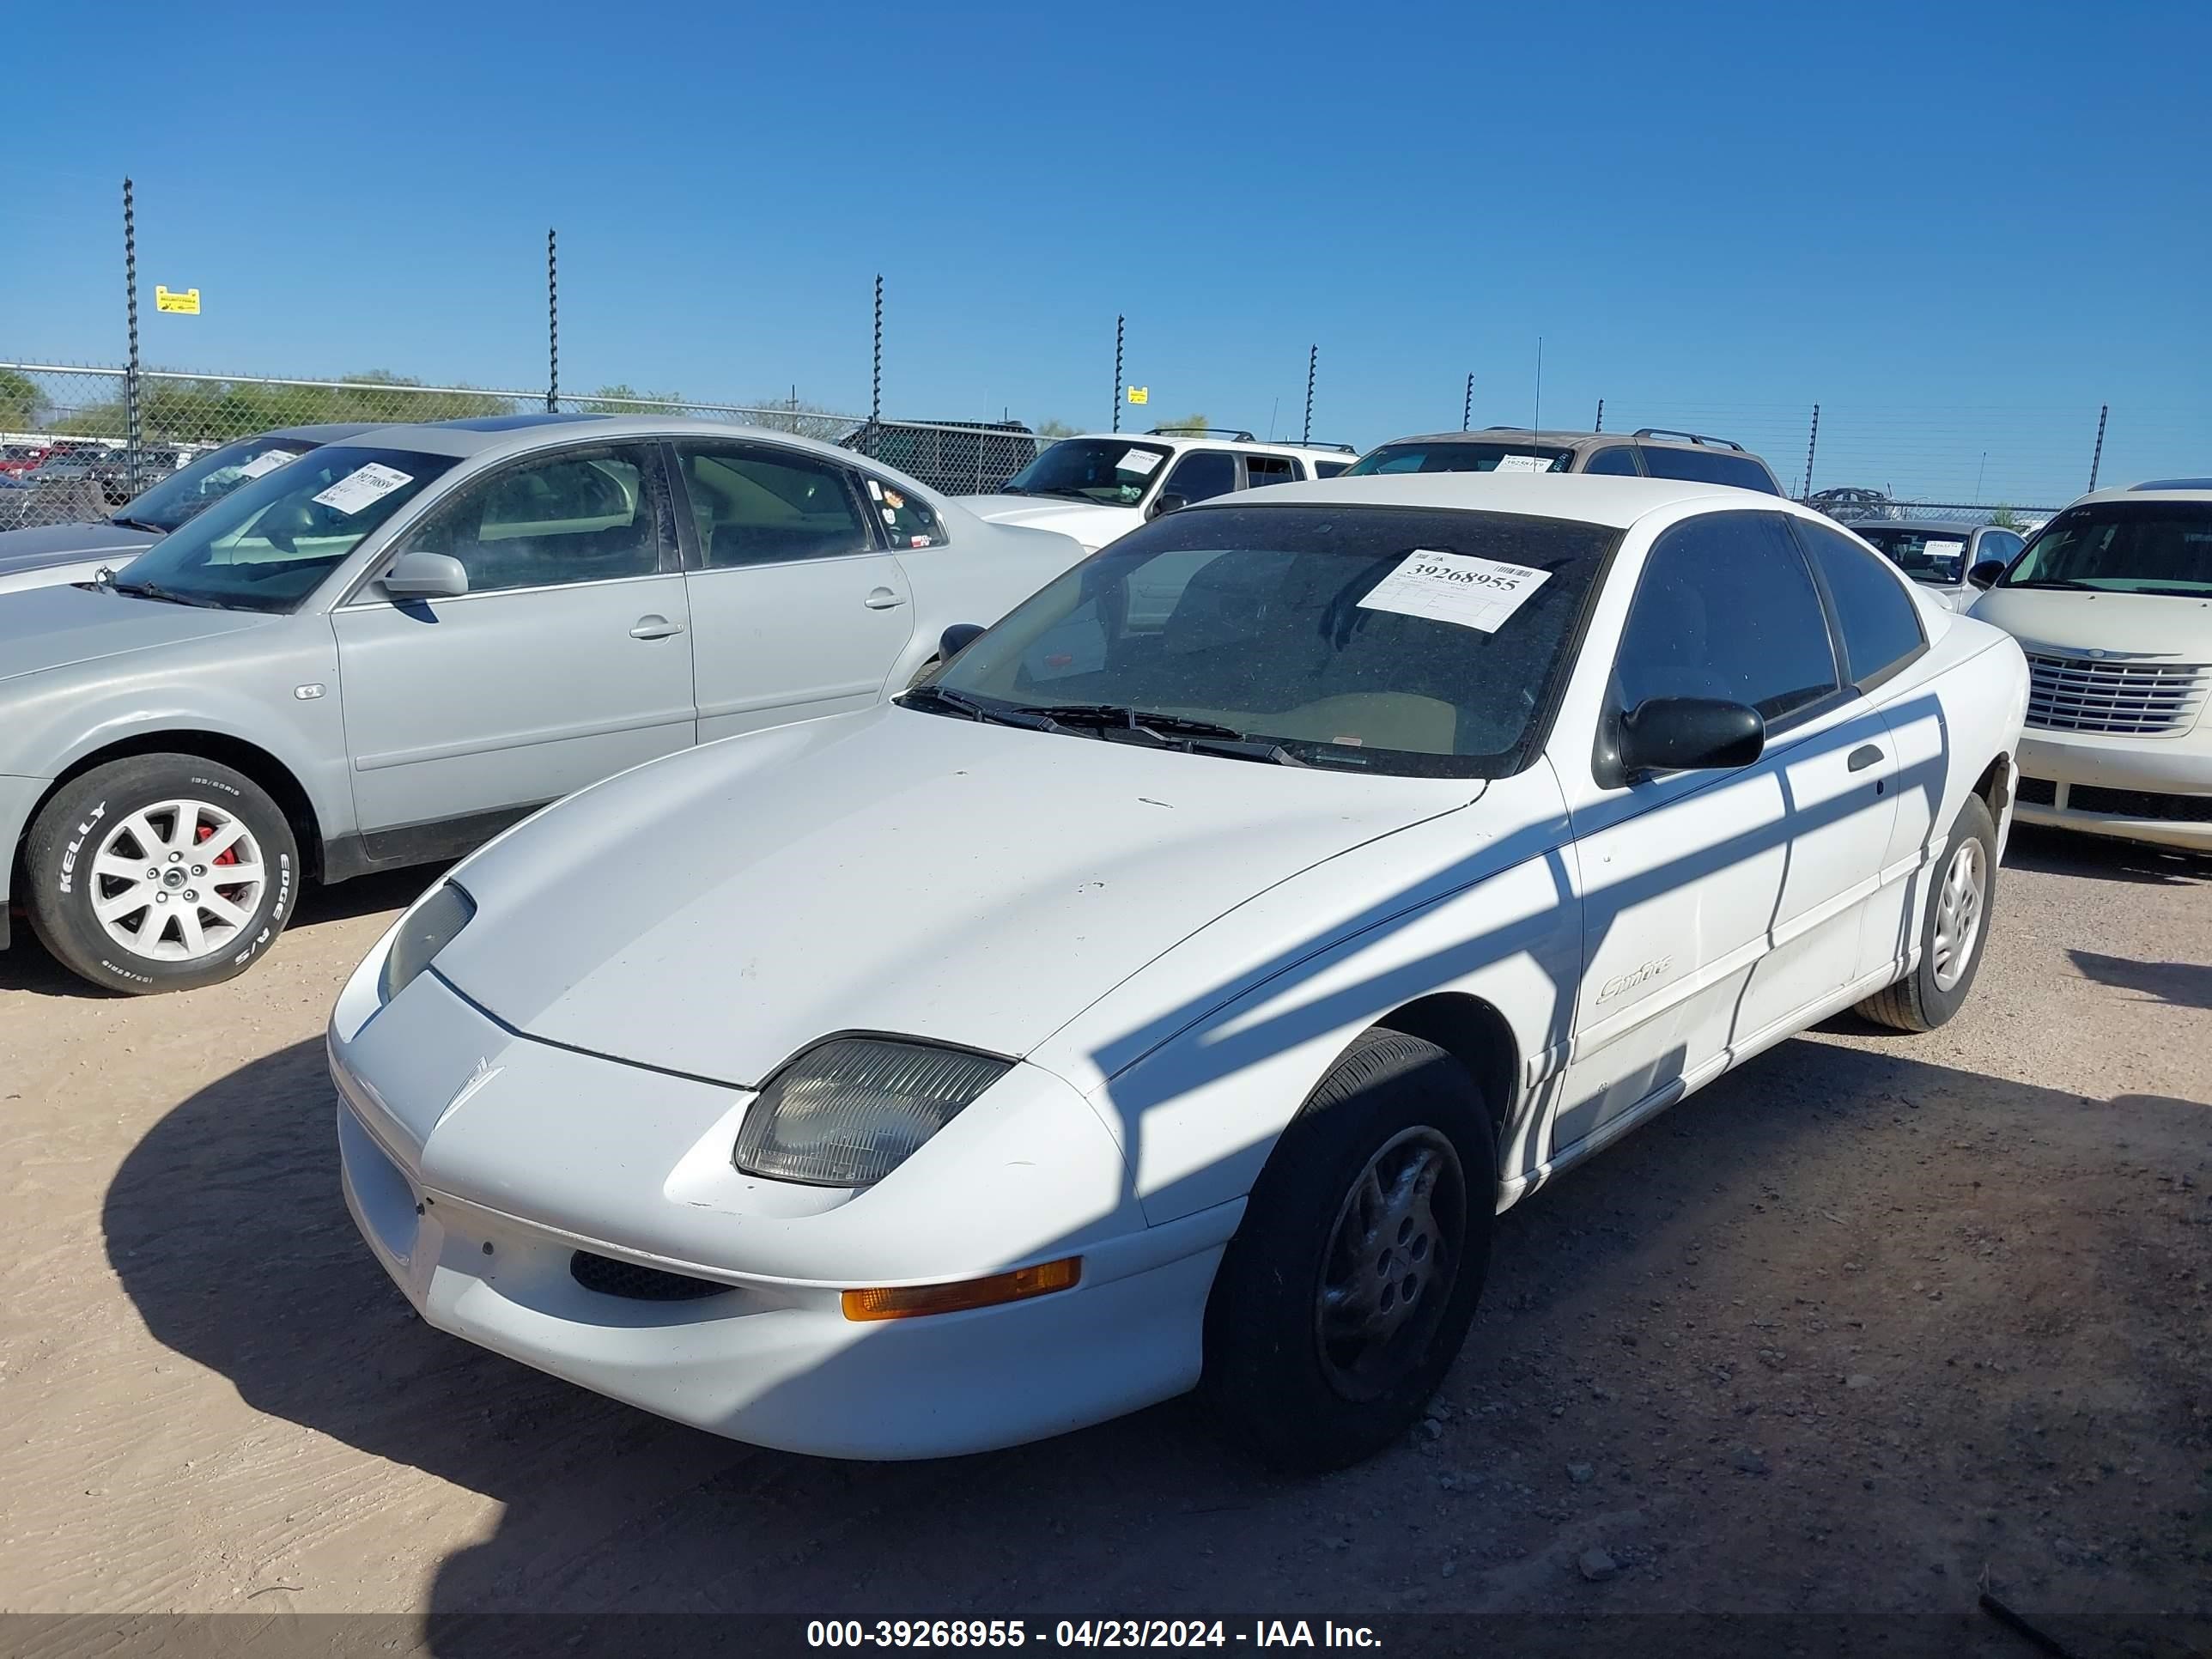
1958,905
176,880
1391,1261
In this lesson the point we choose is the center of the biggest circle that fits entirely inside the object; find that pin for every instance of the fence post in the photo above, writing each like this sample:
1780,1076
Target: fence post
1467,409
1599,425
1812,442
1117,374
552,325
131,306
1313,359
876,381
2097,456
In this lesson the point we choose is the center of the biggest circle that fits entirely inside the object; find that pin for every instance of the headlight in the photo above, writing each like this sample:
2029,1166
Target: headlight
424,932
850,1110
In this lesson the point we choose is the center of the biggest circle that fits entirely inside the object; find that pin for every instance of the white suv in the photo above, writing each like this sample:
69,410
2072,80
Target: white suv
2111,601
1100,484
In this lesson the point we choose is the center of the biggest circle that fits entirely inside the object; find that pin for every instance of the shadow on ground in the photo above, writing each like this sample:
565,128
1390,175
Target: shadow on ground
1694,1293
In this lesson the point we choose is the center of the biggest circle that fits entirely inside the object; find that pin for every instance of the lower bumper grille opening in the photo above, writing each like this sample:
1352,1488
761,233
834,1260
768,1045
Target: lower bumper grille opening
609,1277
2139,803
2037,792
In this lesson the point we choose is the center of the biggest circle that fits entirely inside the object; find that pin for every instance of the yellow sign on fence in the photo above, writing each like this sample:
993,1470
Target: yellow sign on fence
186,303
1140,394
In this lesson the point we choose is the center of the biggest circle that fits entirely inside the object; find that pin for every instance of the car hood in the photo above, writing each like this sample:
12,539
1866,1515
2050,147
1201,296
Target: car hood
2121,625
1094,526
890,871
47,627
65,544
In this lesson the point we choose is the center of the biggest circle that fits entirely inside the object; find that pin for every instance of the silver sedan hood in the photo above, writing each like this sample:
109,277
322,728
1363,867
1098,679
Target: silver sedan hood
47,627
891,870
66,543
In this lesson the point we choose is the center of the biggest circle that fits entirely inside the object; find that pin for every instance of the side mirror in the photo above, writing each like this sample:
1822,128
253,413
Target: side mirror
1168,503
1985,574
958,638
1690,734
425,576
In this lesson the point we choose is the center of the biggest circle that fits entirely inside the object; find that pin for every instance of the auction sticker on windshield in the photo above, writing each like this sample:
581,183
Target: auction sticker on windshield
1455,587
1139,461
267,461
1942,549
365,484
1523,464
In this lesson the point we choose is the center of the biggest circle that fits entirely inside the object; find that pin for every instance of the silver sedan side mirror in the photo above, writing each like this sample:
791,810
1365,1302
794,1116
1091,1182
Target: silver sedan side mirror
425,576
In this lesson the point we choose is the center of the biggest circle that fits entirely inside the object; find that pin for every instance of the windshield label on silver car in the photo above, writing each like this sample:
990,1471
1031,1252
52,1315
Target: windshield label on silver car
364,484
1455,587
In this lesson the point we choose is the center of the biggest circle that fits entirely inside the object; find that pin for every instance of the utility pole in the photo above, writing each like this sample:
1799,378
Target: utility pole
552,323
1313,358
1812,442
131,306
1538,417
2096,458
1118,322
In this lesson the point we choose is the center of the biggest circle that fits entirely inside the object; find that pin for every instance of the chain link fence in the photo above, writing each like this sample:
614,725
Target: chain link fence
65,454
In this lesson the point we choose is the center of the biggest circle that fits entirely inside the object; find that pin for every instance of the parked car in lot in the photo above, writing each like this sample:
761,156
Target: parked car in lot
1938,555
1851,504
46,554
1087,1026
1649,452
1102,485
19,458
2112,602
394,646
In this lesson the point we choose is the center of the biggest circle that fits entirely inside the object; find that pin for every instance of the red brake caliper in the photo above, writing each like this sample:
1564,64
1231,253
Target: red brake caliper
229,855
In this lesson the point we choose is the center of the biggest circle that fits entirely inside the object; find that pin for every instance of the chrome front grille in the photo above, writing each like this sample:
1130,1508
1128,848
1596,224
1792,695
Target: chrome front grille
2127,699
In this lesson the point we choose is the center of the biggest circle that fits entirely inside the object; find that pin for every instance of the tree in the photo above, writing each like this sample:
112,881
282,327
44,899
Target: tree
1189,423
217,410
2005,519
802,420
622,398
20,401
1055,429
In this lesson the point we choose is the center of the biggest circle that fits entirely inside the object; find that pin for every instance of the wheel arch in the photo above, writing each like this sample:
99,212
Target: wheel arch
1475,1033
265,768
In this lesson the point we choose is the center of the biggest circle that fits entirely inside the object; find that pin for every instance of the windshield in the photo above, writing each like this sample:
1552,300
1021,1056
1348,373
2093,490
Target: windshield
1453,456
270,543
208,480
2122,547
1936,556
1112,471
1396,639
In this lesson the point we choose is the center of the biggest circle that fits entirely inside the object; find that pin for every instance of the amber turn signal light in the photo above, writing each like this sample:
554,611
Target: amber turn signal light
913,1301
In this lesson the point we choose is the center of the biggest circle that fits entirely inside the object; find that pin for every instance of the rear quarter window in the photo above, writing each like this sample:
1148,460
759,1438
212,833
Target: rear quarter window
1709,466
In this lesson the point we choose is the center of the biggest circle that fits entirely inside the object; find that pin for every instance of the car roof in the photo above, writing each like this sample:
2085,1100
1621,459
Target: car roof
1580,497
1179,440
1554,438
498,436
325,432
2159,489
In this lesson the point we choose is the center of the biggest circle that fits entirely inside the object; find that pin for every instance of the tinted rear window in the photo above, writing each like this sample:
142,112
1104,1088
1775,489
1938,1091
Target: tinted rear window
1456,457
1709,466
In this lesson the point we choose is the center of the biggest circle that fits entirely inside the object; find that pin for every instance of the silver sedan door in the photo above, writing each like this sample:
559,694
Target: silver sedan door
568,659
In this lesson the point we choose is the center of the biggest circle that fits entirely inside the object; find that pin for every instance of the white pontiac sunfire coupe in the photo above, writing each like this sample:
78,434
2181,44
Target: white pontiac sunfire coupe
1168,994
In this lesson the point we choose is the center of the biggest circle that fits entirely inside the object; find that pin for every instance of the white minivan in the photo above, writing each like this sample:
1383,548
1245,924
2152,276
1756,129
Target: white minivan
2111,601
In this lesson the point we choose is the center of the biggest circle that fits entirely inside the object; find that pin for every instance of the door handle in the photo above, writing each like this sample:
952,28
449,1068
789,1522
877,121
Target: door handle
655,628
1864,756
882,599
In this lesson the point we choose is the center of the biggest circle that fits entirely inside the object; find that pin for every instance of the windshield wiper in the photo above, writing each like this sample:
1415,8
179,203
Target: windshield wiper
1068,493
936,696
2057,582
1012,490
155,590
140,524
1170,730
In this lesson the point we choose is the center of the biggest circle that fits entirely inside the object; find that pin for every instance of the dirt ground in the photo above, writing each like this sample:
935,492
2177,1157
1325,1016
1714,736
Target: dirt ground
1869,1318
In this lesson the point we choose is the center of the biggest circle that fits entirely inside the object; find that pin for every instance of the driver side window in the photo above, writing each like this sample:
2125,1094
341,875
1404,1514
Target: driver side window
578,516
1725,608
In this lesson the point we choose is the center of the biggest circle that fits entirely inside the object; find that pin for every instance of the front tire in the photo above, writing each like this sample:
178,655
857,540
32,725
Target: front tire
1953,933
160,873
1349,1287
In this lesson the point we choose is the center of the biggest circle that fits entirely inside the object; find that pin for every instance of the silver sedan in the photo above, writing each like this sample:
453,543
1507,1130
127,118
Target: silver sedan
398,644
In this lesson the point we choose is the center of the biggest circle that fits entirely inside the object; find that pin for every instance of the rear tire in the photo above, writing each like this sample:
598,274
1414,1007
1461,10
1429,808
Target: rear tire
160,873
1348,1289
1953,933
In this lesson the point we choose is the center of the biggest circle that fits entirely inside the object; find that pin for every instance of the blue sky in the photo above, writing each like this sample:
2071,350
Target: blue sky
1960,229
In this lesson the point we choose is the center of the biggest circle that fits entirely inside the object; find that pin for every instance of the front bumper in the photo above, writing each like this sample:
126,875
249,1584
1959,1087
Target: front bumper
760,1350
2148,789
